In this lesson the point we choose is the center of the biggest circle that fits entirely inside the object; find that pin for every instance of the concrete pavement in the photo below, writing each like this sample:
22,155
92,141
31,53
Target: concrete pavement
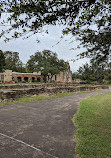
40,129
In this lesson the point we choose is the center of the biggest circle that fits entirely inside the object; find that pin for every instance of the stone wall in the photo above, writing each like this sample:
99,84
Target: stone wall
26,77
7,76
12,92
63,77
13,77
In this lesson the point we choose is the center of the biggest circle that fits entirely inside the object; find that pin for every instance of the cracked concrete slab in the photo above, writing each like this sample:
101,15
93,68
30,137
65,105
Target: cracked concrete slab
40,129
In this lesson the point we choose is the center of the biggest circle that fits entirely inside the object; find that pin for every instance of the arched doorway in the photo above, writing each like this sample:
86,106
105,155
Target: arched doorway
33,79
26,79
38,79
19,79
13,79
55,77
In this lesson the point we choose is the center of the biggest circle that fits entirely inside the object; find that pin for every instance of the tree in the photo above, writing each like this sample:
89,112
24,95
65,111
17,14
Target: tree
79,16
75,75
107,74
98,70
85,72
13,62
2,61
93,72
46,62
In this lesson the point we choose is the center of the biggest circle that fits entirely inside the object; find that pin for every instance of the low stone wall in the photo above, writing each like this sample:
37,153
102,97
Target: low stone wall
23,86
12,92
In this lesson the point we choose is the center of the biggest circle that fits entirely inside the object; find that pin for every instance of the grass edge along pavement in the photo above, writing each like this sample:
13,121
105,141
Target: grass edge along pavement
93,122
42,97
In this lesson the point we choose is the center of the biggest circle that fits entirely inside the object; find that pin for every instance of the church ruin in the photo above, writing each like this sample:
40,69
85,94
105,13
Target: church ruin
13,77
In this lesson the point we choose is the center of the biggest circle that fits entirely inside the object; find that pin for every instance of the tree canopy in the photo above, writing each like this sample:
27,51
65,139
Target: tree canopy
13,61
46,62
93,72
90,20
2,61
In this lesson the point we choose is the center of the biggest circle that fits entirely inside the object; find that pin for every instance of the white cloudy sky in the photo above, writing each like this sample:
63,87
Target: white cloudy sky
29,46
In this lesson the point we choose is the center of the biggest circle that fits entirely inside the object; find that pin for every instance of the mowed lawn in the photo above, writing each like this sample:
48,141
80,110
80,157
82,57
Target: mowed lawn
93,121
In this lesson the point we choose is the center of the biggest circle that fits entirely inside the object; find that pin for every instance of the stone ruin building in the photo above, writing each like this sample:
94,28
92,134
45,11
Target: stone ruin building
13,77
64,76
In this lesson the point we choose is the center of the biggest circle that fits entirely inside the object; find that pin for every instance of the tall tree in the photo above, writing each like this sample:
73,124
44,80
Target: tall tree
2,61
85,72
93,71
46,62
90,20
13,61
76,75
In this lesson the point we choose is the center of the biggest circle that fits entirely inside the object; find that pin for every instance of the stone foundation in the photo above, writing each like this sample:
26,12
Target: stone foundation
12,92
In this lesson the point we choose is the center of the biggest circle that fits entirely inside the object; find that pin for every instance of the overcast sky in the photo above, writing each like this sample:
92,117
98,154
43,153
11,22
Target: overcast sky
49,41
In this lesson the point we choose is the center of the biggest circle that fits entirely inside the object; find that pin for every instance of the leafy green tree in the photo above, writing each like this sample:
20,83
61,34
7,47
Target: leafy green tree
93,72
107,74
2,61
85,72
46,62
75,75
98,70
13,61
90,20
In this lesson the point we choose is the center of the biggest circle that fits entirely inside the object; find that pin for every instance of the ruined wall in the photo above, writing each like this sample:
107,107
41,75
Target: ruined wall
13,77
13,92
63,77
7,76
26,77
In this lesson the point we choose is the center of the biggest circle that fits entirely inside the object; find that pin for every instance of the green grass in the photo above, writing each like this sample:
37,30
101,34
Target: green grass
93,121
34,98
27,99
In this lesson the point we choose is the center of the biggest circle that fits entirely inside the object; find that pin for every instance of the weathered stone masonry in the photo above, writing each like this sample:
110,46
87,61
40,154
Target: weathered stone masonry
12,77
12,92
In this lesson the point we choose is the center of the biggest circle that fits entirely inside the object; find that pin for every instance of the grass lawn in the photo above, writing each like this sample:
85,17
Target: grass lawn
93,121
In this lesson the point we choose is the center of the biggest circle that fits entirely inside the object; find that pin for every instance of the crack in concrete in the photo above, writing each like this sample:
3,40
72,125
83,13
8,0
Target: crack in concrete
19,141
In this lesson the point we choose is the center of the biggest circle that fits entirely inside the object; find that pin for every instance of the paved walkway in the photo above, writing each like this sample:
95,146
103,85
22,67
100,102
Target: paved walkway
39,129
